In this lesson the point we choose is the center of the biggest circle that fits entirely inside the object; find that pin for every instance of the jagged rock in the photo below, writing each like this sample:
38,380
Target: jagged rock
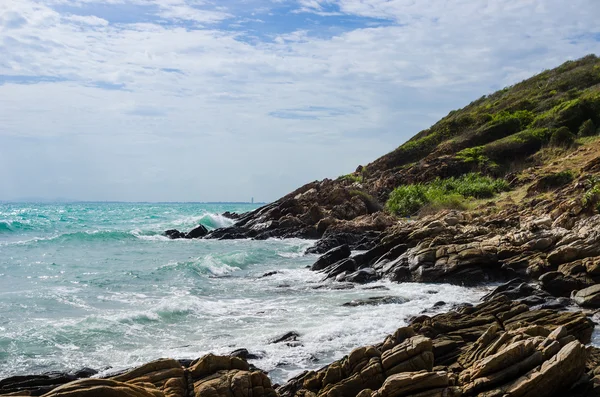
231,215
362,276
39,384
345,266
234,383
107,388
197,232
411,383
174,234
331,256
291,336
376,300
588,297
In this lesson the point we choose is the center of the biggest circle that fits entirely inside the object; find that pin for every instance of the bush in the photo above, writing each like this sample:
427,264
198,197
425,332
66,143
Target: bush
587,128
352,178
591,198
408,200
562,137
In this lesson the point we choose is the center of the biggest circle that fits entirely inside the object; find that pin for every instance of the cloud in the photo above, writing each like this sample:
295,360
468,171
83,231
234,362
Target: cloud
206,100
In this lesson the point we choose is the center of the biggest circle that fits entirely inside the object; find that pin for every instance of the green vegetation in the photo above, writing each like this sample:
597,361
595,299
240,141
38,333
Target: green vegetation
516,121
588,128
562,137
408,200
591,198
352,178
556,180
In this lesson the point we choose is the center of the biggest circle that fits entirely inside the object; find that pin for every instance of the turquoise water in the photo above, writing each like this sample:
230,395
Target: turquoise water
97,285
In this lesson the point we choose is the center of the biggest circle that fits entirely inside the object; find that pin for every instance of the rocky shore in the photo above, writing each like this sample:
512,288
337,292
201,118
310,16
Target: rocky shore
540,237
501,347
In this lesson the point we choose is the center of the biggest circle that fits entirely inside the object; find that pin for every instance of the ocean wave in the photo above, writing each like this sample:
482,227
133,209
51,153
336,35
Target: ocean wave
211,264
7,226
208,219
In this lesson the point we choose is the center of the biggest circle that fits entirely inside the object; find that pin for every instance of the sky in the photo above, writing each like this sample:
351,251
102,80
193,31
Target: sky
202,100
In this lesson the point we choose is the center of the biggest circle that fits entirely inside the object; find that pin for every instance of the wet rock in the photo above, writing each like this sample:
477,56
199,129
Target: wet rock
376,300
334,255
231,215
197,232
244,354
174,234
345,265
362,276
291,336
268,274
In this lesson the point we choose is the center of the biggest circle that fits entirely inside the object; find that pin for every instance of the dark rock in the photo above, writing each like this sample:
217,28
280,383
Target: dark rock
335,286
291,336
559,284
197,232
174,234
587,297
362,276
231,215
331,256
345,265
244,354
268,274
376,300
185,362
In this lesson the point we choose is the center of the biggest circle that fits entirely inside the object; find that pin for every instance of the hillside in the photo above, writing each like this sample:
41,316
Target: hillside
502,136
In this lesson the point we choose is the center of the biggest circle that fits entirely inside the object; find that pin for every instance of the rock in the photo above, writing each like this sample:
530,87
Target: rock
39,384
231,215
411,383
376,300
244,354
588,297
362,276
291,336
174,234
108,388
331,256
269,274
347,265
197,232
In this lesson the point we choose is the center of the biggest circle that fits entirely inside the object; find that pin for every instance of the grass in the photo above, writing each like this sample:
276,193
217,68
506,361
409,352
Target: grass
516,121
409,200
352,178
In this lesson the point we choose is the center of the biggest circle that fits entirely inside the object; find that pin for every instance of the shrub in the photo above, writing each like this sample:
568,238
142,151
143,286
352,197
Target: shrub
473,155
562,137
591,197
352,178
587,128
408,200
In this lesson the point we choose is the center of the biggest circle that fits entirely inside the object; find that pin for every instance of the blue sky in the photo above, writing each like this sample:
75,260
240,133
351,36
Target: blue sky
199,100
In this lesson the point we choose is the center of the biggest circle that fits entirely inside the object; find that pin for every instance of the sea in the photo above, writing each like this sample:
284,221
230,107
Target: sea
97,285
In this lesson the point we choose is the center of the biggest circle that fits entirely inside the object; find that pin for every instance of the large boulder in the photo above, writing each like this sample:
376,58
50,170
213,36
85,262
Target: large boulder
331,256
197,232
588,297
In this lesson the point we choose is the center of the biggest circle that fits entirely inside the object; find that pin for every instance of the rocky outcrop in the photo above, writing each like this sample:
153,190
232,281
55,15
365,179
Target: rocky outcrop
197,232
209,376
497,348
342,207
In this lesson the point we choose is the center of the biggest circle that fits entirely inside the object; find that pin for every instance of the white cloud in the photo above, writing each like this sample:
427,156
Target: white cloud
157,108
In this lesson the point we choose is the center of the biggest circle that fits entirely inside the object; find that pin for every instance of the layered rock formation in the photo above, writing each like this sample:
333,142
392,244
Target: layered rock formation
210,376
